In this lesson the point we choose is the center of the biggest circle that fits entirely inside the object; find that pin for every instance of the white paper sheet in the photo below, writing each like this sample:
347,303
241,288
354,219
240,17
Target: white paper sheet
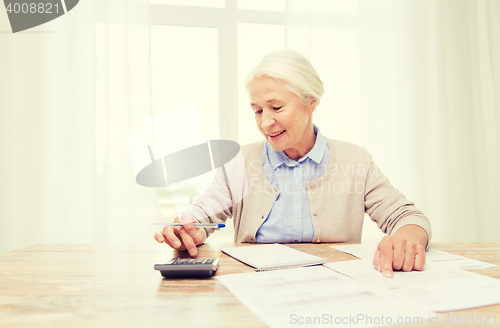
438,286
457,261
362,251
318,296
367,251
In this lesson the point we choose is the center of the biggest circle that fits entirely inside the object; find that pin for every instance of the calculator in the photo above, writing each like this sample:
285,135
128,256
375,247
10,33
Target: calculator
201,267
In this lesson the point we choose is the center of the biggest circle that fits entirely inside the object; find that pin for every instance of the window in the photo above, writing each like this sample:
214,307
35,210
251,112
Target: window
193,3
202,52
262,5
185,70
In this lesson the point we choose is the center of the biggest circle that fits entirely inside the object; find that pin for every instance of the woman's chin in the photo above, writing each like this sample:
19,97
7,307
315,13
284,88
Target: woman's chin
275,142
276,146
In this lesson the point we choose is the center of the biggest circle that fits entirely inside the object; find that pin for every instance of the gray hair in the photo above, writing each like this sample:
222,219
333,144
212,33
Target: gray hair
292,68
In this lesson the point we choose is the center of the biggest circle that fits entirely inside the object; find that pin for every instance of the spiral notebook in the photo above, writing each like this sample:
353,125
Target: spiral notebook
272,257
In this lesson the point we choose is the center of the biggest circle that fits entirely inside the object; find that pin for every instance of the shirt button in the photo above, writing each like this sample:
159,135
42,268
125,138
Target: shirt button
296,188
296,216
297,164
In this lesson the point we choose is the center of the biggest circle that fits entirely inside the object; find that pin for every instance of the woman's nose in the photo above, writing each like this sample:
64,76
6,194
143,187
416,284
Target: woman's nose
267,120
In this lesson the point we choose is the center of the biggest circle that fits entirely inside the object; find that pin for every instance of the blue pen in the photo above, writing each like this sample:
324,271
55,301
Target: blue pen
201,225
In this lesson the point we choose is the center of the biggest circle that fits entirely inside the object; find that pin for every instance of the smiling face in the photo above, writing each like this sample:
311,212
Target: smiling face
281,117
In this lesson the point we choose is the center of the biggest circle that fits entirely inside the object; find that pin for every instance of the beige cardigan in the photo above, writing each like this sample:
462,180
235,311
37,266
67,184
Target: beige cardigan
351,186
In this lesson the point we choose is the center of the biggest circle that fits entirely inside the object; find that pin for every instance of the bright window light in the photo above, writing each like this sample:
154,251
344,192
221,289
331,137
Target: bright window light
184,69
262,5
184,64
192,3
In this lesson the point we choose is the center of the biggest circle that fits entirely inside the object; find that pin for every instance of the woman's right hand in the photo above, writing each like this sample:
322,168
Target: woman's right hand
185,237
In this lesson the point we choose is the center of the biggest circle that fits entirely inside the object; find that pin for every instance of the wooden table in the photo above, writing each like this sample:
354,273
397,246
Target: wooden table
75,285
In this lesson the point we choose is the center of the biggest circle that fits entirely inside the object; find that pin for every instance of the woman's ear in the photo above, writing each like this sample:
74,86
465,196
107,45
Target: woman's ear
311,104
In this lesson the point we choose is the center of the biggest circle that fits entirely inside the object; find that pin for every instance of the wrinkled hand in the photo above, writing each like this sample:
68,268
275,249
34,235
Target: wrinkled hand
183,237
398,253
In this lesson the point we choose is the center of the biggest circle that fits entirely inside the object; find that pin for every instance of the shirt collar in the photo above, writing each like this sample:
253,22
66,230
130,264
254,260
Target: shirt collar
277,158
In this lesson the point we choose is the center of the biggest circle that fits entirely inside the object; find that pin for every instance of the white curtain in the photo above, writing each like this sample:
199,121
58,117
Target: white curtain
414,82
70,91
417,83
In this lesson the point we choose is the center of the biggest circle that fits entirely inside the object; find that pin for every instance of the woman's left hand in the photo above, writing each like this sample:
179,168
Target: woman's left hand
404,250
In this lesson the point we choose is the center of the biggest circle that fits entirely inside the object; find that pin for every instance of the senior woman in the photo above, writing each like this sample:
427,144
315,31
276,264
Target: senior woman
299,186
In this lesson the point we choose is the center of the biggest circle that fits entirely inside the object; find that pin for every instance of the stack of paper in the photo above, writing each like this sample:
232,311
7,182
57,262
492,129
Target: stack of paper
437,287
319,297
357,295
443,285
367,251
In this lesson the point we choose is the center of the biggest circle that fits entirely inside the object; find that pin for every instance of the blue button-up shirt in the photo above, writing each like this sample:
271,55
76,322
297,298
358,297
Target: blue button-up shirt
290,219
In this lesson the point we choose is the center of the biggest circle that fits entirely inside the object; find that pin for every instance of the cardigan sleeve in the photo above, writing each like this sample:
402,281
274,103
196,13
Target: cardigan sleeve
215,204
388,207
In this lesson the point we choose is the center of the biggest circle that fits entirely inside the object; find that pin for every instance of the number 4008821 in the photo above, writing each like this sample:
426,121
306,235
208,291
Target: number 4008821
33,8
